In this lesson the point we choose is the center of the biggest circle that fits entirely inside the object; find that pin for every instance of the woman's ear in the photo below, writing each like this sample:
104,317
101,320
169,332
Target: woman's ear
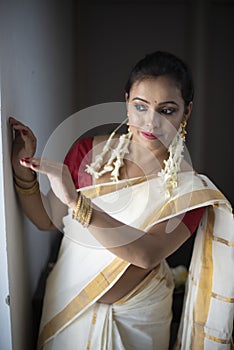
188,110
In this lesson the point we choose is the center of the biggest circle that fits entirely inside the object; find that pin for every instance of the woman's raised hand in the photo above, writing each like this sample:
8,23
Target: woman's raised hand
24,142
59,176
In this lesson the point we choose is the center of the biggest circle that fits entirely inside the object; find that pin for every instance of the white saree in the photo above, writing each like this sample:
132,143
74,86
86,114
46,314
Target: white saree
73,319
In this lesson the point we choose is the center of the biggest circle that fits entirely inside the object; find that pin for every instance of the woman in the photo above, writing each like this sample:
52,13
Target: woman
120,297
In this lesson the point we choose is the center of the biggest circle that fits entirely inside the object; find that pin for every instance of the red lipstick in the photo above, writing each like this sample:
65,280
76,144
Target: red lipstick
148,135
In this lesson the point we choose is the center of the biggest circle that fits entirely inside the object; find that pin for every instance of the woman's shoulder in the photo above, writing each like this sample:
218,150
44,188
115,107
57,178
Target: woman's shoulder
100,141
79,149
84,145
81,143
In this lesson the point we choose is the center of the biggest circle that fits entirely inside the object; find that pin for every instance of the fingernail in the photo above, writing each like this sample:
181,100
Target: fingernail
26,160
24,132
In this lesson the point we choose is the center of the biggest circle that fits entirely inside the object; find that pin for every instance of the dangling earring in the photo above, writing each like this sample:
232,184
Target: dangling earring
183,127
169,174
115,161
129,129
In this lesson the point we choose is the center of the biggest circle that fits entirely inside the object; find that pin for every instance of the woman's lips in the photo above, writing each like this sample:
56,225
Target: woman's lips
148,135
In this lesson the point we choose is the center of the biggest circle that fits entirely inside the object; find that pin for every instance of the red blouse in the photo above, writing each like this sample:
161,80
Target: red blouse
82,149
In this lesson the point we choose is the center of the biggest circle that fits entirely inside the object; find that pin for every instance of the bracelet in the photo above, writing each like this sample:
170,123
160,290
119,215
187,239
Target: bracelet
76,210
83,210
27,191
88,216
22,182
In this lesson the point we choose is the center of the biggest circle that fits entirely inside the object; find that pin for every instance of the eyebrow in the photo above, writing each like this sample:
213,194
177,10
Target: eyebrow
161,103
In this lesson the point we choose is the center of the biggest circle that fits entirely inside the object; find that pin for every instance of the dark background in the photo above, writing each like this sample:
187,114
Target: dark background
111,36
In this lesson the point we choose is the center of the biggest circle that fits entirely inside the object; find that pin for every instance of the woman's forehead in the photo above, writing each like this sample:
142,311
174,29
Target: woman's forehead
155,89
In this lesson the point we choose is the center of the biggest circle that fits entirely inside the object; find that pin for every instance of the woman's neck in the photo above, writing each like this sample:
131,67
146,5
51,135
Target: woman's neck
146,157
139,162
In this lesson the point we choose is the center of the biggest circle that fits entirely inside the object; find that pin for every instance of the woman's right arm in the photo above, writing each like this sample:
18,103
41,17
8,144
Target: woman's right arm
40,209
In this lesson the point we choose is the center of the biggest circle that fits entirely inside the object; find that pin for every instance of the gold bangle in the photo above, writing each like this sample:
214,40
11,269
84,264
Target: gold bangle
88,216
77,207
22,182
27,191
88,212
83,210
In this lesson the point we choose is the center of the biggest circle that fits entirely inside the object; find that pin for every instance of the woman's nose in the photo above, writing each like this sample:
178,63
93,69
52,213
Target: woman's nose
154,120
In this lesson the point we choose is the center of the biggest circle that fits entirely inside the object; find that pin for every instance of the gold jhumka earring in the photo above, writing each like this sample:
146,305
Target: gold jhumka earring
183,129
169,173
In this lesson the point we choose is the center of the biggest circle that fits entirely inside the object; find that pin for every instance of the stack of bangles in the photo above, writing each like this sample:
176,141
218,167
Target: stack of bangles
83,210
26,187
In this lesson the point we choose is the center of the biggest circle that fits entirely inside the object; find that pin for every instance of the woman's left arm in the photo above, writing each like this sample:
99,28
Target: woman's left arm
146,249
143,249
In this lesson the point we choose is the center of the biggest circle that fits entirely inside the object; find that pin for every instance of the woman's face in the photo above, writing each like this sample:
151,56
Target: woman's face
156,109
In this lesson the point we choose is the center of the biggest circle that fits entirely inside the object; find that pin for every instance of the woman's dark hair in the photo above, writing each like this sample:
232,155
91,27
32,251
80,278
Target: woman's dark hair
163,63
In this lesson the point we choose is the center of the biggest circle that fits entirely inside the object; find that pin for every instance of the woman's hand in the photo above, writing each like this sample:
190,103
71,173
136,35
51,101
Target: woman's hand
24,142
59,176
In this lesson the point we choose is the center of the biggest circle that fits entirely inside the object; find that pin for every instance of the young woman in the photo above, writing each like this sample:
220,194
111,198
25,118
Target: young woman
111,287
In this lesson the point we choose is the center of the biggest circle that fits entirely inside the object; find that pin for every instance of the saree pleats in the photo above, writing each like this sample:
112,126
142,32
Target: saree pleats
140,321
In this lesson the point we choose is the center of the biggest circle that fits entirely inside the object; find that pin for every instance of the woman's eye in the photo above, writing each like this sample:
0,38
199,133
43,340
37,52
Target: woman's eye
140,108
167,111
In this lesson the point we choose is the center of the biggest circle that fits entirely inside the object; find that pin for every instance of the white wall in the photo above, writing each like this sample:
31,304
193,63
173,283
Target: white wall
36,87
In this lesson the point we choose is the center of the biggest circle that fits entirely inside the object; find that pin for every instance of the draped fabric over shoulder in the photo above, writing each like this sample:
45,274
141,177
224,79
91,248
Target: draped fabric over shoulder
73,319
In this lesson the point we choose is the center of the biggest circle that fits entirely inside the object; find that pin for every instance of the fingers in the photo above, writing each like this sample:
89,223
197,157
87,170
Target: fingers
14,121
30,163
59,176
23,131
43,166
19,126
16,124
